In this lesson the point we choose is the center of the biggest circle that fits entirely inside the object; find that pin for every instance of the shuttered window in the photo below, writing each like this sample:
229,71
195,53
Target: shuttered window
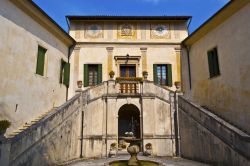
92,74
213,63
163,74
65,73
40,65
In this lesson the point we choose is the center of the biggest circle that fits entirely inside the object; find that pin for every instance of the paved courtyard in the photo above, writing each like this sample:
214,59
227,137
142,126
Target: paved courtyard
165,161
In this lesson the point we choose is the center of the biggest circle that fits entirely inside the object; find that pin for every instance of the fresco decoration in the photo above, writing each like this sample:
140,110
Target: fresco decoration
160,31
93,30
126,31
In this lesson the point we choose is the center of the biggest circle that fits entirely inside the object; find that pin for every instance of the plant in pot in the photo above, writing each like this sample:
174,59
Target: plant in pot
79,84
4,124
177,85
113,150
145,75
111,74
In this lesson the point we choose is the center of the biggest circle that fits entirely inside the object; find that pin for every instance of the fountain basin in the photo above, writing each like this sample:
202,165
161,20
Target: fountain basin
141,163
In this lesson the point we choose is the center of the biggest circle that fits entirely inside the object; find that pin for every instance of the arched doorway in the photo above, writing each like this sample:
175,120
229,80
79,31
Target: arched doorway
129,121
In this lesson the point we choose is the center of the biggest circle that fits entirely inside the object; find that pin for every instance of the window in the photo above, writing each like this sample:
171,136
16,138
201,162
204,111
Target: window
92,74
127,71
163,74
40,65
213,63
64,73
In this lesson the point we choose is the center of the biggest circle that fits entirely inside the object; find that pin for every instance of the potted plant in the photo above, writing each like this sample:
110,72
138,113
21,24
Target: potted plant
145,75
4,124
177,85
79,84
113,150
111,74
148,150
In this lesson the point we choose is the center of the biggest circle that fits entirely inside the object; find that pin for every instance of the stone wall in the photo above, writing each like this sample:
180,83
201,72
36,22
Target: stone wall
206,137
54,139
156,106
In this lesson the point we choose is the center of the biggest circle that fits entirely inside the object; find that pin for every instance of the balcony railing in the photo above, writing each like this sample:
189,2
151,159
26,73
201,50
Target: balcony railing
129,85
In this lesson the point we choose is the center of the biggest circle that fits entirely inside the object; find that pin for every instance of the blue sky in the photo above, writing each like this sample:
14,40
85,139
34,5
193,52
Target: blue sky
201,10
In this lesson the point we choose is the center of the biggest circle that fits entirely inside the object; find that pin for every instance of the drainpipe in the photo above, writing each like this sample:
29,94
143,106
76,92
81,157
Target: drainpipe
176,124
187,48
106,100
82,119
141,118
189,67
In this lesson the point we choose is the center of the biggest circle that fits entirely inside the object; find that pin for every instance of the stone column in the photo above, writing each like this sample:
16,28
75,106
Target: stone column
144,58
178,62
110,58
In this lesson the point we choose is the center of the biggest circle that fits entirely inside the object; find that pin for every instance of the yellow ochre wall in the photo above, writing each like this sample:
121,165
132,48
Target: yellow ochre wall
102,49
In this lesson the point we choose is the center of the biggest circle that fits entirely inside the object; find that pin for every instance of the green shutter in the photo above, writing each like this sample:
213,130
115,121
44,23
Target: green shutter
99,75
169,72
66,74
61,71
40,61
216,62
86,75
210,63
155,73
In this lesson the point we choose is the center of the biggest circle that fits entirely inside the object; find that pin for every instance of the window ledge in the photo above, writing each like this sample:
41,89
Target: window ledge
38,75
214,77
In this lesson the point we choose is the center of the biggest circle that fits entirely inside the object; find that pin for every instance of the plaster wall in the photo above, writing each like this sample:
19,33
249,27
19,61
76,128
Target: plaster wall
97,54
150,50
177,30
25,95
228,94
101,119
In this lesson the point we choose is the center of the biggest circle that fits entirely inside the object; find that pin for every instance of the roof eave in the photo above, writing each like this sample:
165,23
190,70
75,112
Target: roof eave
36,13
214,21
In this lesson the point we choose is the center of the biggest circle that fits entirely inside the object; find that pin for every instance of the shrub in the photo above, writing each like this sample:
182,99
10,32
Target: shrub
144,72
4,124
112,73
129,79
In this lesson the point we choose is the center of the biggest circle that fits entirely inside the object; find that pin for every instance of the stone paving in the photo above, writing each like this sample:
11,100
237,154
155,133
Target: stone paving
165,161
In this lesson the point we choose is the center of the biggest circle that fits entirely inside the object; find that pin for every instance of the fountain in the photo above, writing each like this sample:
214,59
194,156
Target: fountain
133,150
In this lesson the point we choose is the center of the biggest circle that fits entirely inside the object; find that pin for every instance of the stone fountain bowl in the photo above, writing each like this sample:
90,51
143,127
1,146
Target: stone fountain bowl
141,163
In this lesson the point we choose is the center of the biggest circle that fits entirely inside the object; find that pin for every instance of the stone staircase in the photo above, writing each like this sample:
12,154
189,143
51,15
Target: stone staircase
29,124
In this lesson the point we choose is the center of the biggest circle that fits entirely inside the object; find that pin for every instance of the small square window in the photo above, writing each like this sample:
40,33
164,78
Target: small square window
213,63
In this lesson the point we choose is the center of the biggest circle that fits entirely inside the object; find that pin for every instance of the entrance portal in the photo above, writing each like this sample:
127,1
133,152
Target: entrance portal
129,121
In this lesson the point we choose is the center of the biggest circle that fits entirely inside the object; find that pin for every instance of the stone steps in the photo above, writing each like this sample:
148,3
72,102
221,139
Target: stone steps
29,124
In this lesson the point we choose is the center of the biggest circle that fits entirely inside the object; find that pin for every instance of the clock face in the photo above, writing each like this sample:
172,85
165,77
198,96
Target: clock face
94,31
160,30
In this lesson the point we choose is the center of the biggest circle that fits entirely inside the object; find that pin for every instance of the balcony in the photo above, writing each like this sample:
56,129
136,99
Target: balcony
129,85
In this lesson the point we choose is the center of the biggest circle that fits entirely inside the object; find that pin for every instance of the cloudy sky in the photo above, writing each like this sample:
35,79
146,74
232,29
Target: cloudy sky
201,10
